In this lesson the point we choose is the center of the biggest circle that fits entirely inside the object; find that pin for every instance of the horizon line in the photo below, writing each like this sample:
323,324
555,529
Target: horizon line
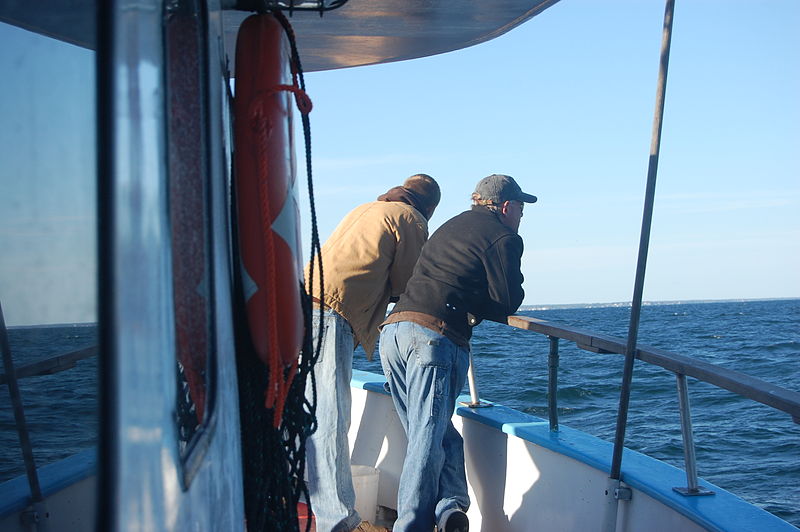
541,306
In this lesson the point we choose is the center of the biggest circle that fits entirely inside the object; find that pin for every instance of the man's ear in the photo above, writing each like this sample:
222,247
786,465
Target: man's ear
504,207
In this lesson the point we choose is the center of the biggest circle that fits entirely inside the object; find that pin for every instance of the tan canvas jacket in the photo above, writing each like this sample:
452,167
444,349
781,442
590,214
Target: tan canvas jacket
368,258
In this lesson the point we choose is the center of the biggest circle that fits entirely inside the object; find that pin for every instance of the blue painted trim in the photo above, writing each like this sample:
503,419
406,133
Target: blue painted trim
15,494
371,382
722,511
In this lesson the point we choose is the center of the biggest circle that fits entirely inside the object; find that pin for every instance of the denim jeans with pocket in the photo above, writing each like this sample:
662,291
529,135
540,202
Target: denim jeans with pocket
426,372
330,480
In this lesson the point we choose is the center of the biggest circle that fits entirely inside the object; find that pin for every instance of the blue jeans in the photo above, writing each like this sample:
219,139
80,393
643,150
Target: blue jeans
330,481
426,372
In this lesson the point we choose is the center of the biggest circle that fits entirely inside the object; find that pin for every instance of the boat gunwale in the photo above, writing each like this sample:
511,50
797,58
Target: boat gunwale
722,511
15,493
654,478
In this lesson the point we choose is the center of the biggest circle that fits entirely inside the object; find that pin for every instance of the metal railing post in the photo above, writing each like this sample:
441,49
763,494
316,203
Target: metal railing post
688,441
473,388
38,516
552,383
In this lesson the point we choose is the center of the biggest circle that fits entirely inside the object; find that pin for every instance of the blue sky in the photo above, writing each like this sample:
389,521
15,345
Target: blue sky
564,103
48,266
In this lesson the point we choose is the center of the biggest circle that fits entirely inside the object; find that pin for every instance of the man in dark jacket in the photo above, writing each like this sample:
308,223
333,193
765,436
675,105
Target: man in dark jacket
469,270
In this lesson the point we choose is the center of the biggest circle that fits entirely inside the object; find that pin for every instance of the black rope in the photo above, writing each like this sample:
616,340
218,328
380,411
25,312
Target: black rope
304,410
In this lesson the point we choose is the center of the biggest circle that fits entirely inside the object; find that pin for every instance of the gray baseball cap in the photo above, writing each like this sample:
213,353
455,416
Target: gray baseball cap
498,188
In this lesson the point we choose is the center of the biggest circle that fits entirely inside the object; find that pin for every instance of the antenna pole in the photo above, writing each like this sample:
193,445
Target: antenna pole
614,492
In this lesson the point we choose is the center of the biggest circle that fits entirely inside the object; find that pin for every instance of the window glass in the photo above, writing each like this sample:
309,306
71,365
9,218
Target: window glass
48,243
189,214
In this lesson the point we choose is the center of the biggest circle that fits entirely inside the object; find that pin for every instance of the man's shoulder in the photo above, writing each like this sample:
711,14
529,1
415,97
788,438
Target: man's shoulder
477,221
388,213
399,211
464,218
476,229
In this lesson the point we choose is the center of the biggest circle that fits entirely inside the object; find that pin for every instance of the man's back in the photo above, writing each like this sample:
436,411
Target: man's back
368,258
470,265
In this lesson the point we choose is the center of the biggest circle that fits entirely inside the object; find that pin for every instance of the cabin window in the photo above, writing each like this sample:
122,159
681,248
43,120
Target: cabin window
48,242
190,214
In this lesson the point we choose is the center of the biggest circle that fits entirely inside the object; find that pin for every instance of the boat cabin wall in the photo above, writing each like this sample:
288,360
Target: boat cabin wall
171,455
115,214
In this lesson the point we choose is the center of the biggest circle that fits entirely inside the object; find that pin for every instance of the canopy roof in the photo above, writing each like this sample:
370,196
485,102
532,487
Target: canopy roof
362,32
365,32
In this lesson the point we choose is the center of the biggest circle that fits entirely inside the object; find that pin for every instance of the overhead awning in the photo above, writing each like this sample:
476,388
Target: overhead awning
366,32
361,32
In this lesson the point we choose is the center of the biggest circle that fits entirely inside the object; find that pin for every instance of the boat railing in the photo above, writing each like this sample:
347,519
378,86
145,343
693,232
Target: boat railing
10,377
682,366
51,365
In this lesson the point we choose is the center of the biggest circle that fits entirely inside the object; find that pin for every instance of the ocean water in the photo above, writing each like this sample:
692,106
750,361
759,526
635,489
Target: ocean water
61,409
742,446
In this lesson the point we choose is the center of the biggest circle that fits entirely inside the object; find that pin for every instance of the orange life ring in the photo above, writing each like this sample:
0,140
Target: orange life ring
268,213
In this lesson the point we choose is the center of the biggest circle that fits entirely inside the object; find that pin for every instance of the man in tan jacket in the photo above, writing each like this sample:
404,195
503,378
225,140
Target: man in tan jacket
366,262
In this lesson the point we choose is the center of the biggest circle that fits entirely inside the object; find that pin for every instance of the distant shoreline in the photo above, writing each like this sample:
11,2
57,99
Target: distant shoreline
650,303
53,325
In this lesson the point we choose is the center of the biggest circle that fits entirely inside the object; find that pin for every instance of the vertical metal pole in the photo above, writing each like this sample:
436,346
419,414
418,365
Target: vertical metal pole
644,240
686,431
552,383
688,441
22,428
473,388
